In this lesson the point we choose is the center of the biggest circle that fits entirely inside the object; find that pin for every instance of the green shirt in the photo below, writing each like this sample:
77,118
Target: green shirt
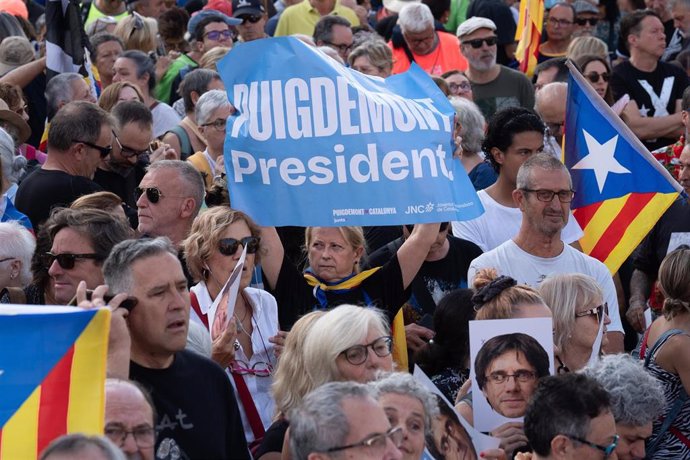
302,18
164,86
95,13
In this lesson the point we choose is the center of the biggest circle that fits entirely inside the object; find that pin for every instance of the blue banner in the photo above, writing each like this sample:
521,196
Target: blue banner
315,143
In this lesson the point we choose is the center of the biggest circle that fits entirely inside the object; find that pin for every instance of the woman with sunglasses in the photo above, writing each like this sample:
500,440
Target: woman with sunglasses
213,248
333,276
597,71
578,307
665,351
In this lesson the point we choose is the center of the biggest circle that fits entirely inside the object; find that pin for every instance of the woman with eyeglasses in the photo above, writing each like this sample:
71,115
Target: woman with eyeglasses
458,84
665,352
578,307
212,111
213,248
500,297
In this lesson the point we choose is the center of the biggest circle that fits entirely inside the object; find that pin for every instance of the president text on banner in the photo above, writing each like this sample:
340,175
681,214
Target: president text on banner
621,189
315,143
52,375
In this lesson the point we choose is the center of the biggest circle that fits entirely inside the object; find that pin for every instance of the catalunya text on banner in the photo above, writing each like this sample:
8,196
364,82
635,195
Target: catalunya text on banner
315,143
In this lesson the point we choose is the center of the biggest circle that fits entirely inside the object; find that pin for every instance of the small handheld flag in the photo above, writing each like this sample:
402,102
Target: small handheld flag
621,189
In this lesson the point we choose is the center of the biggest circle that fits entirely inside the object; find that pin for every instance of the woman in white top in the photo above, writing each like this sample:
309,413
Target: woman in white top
213,248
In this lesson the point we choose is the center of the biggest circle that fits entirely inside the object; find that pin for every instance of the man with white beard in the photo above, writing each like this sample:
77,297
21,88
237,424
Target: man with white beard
494,86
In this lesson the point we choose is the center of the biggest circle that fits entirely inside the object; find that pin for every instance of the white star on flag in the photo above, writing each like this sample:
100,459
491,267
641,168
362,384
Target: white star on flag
600,159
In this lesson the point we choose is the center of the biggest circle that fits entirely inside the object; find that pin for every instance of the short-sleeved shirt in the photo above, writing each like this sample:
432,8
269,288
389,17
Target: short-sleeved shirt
654,92
510,89
302,18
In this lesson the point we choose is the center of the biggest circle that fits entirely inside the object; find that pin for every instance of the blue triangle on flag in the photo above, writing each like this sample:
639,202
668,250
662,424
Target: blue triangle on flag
30,346
604,157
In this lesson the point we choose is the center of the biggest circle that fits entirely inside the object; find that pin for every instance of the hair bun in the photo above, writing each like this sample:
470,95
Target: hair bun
491,290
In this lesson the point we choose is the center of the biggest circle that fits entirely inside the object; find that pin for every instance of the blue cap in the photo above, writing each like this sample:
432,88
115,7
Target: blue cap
198,17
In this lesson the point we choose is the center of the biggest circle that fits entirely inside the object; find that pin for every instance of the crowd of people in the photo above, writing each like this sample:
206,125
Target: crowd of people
114,194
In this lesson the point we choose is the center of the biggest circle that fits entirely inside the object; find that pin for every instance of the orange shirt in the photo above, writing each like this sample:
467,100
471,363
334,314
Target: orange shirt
445,57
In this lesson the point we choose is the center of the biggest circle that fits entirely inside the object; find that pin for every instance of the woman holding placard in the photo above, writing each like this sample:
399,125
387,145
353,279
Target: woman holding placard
500,297
212,250
578,307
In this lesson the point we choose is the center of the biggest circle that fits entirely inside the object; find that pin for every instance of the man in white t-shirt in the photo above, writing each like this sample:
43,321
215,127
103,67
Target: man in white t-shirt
514,134
543,194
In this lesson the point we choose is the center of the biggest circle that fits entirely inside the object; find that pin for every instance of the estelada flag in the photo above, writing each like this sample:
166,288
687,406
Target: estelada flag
621,190
52,375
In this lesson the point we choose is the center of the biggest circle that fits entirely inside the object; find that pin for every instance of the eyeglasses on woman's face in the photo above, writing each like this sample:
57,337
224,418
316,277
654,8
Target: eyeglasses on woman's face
357,354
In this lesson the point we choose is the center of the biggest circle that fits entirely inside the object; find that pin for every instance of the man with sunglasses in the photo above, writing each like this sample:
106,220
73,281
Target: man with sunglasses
560,423
494,86
124,168
253,15
586,18
342,420
80,137
544,193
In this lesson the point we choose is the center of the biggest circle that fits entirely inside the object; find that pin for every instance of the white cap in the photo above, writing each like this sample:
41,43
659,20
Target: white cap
473,24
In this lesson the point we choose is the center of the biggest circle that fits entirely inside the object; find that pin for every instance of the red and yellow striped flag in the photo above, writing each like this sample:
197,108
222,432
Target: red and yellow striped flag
528,34
52,376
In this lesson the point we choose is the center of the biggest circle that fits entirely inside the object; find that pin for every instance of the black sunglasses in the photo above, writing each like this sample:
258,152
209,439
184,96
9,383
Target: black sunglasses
66,260
228,246
594,77
477,43
153,194
582,21
253,18
129,152
104,151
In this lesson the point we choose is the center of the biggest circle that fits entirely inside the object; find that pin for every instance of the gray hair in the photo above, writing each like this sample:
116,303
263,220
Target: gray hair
404,384
208,103
544,161
77,120
59,91
563,293
378,53
319,423
549,94
472,124
637,398
189,175
72,444
12,165
18,242
337,330
415,17
117,269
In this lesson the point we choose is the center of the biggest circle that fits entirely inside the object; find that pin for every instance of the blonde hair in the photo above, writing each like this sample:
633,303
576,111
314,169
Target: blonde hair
205,233
333,333
563,293
290,382
580,46
105,201
212,56
137,32
502,305
353,235
674,282
111,94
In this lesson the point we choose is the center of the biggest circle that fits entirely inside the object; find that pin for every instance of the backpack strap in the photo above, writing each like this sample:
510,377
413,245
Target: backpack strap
677,404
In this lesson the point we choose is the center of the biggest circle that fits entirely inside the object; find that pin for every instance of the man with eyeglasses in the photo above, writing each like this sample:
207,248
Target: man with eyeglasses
560,26
544,193
342,420
129,422
197,417
208,29
655,87
561,424
80,137
334,32
586,18
253,15
494,86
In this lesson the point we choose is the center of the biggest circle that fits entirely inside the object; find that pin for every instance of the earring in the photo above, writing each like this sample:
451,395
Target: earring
205,273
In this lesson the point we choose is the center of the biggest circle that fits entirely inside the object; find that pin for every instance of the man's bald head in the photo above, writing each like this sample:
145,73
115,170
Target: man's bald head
550,104
129,409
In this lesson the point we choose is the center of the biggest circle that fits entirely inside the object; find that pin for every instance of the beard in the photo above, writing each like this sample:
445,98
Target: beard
484,62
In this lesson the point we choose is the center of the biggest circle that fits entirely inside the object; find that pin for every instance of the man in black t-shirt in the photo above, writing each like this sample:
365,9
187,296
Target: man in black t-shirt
655,88
196,411
80,136
443,270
